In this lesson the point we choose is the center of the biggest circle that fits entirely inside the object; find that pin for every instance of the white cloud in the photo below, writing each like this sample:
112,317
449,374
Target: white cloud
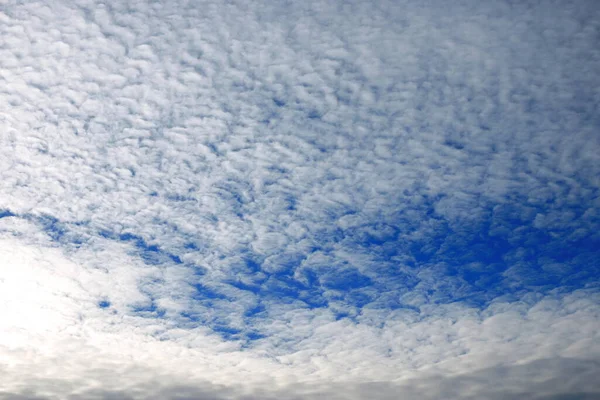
52,331
246,176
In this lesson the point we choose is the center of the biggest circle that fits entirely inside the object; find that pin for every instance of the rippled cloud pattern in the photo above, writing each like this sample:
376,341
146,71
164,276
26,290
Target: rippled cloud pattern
299,200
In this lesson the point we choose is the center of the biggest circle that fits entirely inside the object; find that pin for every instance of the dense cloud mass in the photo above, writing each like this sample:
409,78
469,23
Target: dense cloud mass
299,200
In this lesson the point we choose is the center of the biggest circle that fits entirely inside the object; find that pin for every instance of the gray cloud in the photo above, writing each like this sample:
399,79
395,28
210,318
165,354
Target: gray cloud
546,379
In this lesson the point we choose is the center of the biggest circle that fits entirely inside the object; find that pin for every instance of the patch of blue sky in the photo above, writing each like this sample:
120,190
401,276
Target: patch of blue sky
6,213
67,234
57,231
480,262
148,310
473,266
505,251
104,304
151,254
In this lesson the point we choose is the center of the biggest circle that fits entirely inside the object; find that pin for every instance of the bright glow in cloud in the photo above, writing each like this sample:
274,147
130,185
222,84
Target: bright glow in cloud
319,199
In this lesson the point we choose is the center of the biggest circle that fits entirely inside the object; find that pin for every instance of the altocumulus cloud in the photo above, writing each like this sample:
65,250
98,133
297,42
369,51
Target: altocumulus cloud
299,200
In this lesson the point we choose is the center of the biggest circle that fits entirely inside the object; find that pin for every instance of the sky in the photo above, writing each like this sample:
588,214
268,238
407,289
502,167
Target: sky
260,199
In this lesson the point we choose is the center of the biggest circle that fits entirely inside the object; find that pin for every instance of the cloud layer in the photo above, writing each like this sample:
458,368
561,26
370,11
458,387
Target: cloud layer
317,199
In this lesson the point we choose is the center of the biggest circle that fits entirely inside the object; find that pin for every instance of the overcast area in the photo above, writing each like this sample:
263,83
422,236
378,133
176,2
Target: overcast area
300,200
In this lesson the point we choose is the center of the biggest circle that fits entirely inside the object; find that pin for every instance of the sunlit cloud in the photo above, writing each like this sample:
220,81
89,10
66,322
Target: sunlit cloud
261,200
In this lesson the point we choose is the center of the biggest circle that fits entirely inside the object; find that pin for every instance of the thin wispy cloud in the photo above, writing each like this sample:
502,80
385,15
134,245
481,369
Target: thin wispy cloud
350,200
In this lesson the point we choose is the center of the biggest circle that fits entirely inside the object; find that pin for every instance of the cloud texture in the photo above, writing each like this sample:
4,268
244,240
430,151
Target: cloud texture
299,200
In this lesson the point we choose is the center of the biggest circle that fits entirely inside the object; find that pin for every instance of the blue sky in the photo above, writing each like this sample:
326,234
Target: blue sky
321,199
